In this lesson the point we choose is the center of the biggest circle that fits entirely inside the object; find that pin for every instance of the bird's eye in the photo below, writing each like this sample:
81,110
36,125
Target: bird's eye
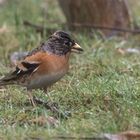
67,43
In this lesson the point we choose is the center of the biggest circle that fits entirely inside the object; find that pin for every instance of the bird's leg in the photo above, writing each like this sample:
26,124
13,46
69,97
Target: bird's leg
45,89
40,101
50,103
31,98
52,106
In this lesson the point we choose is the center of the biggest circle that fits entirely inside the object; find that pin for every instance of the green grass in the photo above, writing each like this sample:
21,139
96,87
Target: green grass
101,90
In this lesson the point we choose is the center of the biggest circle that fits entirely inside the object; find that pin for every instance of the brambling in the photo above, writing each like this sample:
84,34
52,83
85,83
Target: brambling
44,65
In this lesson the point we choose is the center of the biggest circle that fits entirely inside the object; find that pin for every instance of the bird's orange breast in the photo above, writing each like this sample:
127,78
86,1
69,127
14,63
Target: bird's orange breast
49,63
51,69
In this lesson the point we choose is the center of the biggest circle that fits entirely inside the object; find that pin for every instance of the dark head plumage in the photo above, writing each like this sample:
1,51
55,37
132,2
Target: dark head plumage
59,43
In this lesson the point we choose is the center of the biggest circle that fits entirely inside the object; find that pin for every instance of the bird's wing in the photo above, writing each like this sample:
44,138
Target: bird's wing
22,68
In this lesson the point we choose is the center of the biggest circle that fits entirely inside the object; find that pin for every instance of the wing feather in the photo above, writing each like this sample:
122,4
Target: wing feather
24,68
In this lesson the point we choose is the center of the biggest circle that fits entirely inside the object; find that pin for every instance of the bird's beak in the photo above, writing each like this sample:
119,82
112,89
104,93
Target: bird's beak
76,48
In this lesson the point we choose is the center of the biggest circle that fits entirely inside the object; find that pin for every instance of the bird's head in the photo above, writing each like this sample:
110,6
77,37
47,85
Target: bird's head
61,43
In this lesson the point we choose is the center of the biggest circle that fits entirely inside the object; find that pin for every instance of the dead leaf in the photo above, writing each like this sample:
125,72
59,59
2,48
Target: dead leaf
128,135
43,120
4,29
121,51
124,51
131,135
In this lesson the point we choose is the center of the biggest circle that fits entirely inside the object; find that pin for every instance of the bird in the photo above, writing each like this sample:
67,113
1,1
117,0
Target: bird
44,65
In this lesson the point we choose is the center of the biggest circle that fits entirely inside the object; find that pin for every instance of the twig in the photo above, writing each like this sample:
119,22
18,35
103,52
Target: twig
78,25
41,29
80,138
38,28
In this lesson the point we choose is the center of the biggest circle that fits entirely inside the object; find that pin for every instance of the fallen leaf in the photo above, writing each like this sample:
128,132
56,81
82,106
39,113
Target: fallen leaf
128,135
131,135
43,120
121,51
4,29
124,51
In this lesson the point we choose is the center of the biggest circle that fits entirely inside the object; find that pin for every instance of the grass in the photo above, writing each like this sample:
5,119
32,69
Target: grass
101,90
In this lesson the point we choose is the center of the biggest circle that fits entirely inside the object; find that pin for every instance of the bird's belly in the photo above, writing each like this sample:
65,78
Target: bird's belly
45,80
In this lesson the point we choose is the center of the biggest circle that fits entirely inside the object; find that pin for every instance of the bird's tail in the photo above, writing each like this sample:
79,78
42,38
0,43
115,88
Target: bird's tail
6,81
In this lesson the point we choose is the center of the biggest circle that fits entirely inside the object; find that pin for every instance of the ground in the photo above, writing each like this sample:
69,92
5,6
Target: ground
101,90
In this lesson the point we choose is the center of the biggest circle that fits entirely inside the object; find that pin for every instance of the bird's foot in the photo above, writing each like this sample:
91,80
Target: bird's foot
53,107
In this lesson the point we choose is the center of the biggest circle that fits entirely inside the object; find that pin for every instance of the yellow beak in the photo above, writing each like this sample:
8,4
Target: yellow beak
76,48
